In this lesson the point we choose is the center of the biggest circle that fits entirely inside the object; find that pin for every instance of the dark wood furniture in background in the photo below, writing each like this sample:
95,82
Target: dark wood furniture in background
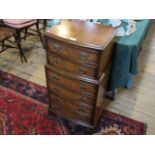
5,34
77,70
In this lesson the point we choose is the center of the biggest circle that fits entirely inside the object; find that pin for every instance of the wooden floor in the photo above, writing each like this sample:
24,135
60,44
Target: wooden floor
137,103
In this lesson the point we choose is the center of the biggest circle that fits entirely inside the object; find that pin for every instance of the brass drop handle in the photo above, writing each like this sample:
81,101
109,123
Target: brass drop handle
57,99
83,89
57,46
82,70
83,56
82,99
55,78
80,108
55,106
81,117
56,89
57,61
58,108
66,111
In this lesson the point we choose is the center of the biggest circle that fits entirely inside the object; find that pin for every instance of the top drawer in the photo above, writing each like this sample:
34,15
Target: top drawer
75,53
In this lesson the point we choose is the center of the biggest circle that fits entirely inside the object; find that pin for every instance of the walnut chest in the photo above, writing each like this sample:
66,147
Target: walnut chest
77,70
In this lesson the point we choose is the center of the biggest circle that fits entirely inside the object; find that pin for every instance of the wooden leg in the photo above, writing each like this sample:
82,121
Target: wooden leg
111,94
3,45
25,35
18,41
39,33
60,124
44,24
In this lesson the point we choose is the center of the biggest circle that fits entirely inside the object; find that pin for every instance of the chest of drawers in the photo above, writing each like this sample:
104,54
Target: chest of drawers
77,70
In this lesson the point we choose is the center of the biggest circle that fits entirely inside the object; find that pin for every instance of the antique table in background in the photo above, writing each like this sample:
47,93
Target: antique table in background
126,55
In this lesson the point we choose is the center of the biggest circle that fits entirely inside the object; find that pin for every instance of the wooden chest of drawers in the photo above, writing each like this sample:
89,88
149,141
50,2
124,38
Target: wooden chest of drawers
77,70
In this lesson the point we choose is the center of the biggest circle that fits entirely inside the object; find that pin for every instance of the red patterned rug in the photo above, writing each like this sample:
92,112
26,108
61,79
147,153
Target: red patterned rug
23,110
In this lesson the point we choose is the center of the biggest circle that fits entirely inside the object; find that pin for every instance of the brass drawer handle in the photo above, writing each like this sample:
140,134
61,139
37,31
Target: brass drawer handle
57,61
57,46
66,112
82,99
55,78
83,89
57,99
82,70
55,106
81,108
82,118
83,56
56,89
58,106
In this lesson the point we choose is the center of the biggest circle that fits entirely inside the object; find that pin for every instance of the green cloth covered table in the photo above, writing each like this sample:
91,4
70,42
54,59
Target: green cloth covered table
125,57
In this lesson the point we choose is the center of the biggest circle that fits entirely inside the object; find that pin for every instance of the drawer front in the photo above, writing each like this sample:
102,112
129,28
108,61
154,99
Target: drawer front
70,67
60,91
65,104
77,85
71,115
77,54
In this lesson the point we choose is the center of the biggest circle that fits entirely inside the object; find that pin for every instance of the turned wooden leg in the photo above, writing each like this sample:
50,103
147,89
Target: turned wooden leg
39,33
18,41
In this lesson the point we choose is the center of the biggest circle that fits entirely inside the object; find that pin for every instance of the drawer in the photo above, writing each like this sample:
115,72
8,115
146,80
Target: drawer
82,55
65,104
61,91
70,67
71,115
77,85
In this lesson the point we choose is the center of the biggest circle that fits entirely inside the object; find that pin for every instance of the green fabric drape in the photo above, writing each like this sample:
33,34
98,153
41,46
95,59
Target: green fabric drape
126,54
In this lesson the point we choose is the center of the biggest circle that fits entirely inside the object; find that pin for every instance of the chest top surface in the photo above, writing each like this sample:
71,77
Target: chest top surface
83,33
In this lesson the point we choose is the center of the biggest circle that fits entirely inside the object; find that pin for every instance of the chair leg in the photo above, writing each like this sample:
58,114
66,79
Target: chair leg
25,35
44,24
39,33
3,44
18,41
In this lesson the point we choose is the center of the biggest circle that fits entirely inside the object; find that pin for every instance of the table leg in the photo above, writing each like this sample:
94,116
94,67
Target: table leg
111,94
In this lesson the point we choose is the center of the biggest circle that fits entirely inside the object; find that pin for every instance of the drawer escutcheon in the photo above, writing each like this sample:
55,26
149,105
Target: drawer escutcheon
83,56
57,47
